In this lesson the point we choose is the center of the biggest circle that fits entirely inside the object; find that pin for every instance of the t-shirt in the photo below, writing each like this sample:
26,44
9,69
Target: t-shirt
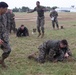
40,10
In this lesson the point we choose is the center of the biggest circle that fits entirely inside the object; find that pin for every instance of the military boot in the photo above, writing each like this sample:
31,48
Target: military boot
42,35
39,34
2,63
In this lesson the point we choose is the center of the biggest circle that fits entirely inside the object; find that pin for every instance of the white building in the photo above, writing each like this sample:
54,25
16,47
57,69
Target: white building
65,9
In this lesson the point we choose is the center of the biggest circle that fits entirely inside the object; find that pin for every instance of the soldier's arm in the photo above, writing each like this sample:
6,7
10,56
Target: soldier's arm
69,52
51,14
44,8
13,15
27,32
56,13
1,29
18,31
32,10
8,22
61,56
1,42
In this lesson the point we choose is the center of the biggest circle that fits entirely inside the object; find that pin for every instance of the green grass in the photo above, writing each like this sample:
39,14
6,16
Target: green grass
19,64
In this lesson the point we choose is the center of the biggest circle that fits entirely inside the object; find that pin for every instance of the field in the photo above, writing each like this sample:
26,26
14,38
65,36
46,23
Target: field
19,64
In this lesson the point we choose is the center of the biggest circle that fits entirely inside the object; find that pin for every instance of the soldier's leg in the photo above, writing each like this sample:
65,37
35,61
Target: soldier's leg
6,51
14,27
38,26
10,28
53,24
42,53
40,58
56,21
42,26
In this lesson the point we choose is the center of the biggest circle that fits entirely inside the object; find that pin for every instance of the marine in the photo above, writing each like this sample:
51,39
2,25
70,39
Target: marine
53,50
22,31
4,35
54,19
40,19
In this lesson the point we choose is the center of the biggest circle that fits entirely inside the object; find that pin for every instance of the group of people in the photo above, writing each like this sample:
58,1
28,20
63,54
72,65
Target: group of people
54,50
9,20
41,18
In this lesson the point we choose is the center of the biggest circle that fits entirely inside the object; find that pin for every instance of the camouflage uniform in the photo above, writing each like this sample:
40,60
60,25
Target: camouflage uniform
10,21
4,35
54,15
23,32
13,25
52,49
6,21
40,19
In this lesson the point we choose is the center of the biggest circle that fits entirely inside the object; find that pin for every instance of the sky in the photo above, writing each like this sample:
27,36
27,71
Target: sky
32,3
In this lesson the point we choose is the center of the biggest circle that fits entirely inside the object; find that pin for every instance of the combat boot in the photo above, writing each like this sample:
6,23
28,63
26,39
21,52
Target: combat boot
2,63
30,57
42,35
39,34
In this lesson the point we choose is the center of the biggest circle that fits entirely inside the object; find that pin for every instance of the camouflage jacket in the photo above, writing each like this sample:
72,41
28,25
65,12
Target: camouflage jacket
3,29
54,14
40,10
53,47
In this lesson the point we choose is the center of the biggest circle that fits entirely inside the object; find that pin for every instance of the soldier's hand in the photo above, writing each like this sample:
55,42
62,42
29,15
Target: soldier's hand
1,42
66,55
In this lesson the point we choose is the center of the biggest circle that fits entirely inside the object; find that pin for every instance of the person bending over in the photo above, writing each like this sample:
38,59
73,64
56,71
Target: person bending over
22,31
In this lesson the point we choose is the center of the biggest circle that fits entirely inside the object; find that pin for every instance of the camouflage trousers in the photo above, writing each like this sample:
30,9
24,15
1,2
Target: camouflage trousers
55,22
40,24
45,53
5,46
48,54
13,27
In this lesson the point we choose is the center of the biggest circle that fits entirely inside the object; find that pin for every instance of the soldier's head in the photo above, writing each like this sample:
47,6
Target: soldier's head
63,43
53,8
3,7
38,3
22,27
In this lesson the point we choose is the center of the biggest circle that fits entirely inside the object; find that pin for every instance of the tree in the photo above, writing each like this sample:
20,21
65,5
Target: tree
15,10
48,8
54,7
25,9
